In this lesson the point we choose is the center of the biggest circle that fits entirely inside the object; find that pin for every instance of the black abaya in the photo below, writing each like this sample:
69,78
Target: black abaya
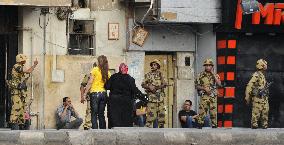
122,89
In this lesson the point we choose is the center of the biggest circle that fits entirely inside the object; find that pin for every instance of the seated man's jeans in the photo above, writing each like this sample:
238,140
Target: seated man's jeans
190,123
75,124
98,103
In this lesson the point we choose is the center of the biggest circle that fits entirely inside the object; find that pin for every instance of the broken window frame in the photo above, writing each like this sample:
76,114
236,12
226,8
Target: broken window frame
81,3
85,34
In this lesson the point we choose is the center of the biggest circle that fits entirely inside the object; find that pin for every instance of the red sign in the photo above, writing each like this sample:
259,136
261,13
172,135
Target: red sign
271,13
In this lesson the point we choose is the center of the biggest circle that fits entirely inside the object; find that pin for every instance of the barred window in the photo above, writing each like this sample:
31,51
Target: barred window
81,37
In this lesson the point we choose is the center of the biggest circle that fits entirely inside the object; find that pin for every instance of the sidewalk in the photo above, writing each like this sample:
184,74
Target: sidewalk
145,136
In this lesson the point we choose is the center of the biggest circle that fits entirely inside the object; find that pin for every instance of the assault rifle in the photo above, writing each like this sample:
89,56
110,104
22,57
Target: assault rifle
142,97
23,85
202,92
262,92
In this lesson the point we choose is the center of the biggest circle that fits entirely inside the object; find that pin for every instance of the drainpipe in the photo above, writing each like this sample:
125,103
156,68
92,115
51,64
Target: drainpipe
32,78
42,120
151,7
195,69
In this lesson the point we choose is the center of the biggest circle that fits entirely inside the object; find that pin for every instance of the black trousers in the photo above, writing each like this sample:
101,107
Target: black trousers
98,103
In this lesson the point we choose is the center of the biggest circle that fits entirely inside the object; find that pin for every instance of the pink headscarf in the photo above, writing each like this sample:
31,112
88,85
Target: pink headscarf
123,68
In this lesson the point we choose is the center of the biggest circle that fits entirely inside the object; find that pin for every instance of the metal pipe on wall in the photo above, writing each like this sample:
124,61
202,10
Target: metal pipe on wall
43,72
44,12
195,69
31,63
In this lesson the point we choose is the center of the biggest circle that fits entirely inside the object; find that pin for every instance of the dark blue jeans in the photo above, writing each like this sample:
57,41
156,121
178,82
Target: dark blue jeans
191,124
141,120
98,104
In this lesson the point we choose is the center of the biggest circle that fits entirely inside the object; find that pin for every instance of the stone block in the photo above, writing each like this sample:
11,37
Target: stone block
80,137
106,137
175,138
56,137
9,137
152,138
32,138
127,137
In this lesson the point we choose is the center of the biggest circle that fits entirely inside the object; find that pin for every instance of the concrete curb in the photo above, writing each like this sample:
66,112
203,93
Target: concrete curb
143,136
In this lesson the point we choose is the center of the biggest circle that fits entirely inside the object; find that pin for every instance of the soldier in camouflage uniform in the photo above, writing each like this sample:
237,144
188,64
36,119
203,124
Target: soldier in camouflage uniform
154,84
206,85
18,89
88,123
260,105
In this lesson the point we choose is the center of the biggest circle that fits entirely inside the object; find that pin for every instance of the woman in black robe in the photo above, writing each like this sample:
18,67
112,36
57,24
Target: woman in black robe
122,91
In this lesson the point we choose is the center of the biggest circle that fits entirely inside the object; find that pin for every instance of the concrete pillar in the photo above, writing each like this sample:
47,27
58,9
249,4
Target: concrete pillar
184,83
206,48
206,45
135,61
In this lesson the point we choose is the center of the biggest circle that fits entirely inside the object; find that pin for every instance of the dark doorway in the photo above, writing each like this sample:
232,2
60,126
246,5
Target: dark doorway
250,49
8,51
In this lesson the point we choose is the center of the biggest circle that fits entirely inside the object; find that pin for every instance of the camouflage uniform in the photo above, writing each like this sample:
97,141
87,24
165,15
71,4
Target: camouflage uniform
88,123
260,105
18,96
155,106
208,102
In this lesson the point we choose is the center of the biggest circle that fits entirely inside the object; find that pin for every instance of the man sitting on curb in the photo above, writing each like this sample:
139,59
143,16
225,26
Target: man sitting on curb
64,114
187,116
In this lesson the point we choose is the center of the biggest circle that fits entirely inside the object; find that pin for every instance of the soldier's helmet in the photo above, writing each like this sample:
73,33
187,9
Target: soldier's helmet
260,63
157,62
21,57
208,62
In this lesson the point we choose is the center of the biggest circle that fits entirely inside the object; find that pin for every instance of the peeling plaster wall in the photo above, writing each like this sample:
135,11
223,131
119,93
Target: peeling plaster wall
103,45
36,2
194,11
31,44
167,38
74,67
135,61
55,32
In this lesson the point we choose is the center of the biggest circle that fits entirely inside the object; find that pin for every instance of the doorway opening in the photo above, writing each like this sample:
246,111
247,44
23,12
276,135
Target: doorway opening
8,52
167,69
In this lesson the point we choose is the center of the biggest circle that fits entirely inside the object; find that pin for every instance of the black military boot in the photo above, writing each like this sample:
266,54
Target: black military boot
199,126
253,127
264,127
161,125
14,126
22,127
